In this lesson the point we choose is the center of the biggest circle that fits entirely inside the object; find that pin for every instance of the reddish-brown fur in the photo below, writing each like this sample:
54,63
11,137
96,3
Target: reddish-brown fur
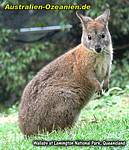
57,93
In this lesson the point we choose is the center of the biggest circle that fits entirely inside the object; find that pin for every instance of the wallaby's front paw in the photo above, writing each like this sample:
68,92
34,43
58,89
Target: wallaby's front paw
105,89
106,85
100,93
98,88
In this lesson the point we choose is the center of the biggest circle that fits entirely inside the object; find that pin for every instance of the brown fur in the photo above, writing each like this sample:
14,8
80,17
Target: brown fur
55,96
97,25
57,93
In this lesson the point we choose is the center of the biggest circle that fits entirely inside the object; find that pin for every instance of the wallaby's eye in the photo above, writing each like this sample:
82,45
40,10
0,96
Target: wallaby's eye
103,35
89,37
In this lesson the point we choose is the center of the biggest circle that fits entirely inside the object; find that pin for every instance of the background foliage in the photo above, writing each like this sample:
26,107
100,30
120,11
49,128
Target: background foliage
20,61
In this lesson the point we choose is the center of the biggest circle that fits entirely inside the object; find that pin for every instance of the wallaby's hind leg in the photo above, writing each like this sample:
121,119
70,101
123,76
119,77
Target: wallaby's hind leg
62,111
54,108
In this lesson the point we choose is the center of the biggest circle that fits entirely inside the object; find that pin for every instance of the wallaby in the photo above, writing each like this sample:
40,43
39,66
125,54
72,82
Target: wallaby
54,98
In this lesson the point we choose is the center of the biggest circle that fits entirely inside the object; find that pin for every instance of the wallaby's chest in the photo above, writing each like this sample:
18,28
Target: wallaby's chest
101,67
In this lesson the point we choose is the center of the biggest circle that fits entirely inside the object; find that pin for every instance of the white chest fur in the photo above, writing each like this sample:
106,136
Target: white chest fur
102,66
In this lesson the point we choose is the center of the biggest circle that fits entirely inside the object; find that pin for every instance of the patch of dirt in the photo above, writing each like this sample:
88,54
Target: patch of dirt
125,101
9,119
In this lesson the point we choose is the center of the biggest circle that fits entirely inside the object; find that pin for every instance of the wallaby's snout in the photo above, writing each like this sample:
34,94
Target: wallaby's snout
98,48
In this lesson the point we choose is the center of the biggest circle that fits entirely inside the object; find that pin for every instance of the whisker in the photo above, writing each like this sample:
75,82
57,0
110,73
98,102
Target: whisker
106,52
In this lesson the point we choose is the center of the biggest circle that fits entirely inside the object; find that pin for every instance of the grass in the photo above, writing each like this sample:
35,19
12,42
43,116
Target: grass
105,118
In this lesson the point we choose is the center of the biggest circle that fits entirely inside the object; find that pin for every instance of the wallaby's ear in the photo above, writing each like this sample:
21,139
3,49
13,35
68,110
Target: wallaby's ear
84,19
104,17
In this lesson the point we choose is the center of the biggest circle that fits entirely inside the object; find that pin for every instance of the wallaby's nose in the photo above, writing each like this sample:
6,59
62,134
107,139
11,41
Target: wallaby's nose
97,48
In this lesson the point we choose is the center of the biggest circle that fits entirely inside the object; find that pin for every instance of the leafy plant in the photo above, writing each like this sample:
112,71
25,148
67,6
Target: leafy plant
120,72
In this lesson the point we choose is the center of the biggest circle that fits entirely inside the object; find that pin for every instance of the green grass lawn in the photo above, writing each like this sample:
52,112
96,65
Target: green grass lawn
105,118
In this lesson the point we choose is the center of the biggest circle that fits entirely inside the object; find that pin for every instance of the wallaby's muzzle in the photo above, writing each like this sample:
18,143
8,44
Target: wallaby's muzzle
97,48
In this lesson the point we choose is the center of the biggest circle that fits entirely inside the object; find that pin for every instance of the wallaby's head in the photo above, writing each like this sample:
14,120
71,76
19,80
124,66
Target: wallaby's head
95,34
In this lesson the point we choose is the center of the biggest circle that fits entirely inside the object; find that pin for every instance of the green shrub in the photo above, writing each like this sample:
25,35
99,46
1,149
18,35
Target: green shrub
120,72
19,66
